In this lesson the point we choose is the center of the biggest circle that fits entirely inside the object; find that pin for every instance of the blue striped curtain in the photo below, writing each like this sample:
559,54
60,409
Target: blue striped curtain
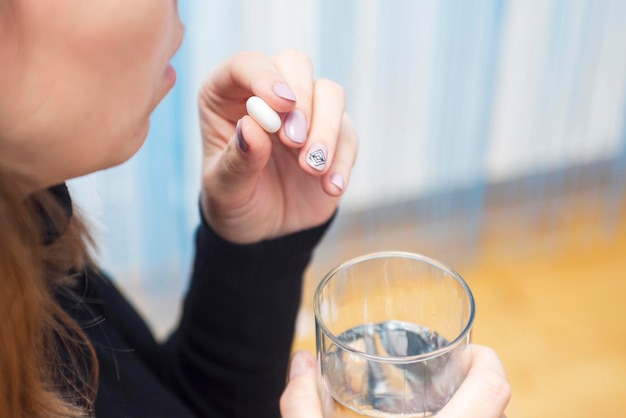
445,94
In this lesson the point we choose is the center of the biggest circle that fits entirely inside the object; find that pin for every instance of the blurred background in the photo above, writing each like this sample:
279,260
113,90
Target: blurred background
493,138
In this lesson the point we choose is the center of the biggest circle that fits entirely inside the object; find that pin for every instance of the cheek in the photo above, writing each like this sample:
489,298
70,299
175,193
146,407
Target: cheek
128,75
88,95
76,118
109,98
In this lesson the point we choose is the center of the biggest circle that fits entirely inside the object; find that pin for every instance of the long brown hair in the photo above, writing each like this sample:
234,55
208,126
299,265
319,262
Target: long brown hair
47,366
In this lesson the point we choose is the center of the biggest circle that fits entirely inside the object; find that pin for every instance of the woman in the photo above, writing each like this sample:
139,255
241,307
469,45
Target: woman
78,82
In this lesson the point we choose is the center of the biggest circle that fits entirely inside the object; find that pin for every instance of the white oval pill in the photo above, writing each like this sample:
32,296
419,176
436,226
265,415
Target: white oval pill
263,114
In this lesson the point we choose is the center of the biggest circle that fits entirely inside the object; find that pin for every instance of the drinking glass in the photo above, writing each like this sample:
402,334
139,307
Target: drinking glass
392,335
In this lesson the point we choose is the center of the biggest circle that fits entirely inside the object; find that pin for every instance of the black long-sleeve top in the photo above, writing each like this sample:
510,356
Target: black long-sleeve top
228,356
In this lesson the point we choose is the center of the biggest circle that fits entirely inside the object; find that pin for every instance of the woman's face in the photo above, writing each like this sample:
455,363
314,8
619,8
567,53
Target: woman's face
79,80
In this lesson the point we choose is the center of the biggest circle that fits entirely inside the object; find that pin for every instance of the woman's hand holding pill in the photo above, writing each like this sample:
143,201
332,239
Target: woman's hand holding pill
278,148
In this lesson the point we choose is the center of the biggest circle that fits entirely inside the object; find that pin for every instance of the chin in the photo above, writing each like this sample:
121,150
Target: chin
129,147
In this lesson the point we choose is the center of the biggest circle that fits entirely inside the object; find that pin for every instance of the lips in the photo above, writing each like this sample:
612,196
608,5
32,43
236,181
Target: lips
170,74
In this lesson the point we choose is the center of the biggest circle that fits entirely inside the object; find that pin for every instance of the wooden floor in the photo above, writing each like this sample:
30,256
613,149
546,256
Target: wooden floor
552,304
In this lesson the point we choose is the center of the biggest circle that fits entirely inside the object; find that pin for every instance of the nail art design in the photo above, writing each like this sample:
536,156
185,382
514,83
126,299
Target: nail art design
317,157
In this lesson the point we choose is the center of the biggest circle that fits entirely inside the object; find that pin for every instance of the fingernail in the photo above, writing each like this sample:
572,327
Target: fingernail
295,126
284,91
299,365
243,145
338,180
317,157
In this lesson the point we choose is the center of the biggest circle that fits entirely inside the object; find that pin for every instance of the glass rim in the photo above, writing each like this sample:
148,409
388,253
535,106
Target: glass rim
395,359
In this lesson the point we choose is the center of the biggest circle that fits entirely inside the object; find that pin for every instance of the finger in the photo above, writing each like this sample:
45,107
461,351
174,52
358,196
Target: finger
329,103
248,74
485,392
300,399
336,178
297,69
233,174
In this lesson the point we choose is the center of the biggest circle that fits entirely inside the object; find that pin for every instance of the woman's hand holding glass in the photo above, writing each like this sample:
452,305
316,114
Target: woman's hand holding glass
484,393
258,185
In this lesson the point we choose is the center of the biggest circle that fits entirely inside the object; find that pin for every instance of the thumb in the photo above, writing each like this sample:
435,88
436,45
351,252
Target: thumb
300,398
233,173
485,392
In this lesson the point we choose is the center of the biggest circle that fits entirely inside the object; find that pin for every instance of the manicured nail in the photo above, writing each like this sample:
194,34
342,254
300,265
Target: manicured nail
243,145
299,365
284,91
295,126
338,180
317,157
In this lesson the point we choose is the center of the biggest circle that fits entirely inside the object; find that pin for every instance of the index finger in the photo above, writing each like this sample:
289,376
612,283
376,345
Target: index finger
248,74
